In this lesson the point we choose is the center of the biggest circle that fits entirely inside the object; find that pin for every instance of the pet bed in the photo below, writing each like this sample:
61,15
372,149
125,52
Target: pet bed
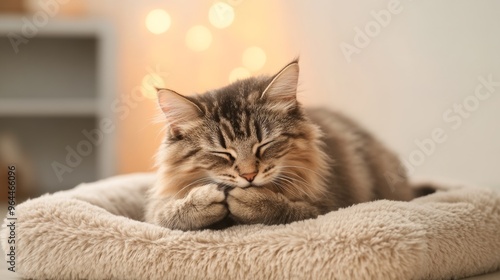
95,231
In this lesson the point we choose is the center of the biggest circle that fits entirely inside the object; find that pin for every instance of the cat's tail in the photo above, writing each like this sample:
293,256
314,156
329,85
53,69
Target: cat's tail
423,189
427,187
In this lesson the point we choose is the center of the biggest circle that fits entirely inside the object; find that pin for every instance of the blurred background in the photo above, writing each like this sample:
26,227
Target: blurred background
77,77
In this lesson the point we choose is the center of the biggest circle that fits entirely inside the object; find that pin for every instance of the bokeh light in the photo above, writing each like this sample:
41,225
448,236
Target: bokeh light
198,38
238,73
158,21
221,14
149,84
254,58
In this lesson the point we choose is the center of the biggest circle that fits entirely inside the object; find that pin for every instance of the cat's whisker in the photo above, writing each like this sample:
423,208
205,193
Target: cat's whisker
292,185
304,181
299,188
292,174
296,181
277,181
309,169
200,182
279,184
204,179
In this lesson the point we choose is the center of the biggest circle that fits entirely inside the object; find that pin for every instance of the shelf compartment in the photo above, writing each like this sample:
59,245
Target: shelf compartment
48,107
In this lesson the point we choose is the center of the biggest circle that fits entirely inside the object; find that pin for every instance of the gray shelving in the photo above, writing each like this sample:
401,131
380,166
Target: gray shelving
56,87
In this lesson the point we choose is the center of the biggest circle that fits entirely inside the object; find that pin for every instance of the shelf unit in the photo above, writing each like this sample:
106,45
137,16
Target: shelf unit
60,83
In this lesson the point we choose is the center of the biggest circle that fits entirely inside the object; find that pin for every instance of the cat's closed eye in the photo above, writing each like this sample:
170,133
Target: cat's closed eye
275,149
225,155
260,149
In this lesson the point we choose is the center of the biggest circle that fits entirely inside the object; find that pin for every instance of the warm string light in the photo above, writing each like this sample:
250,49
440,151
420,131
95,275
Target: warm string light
199,38
221,15
158,21
150,83
253,58
238,73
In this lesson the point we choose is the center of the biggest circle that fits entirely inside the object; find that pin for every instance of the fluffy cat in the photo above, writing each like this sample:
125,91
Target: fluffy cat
249,153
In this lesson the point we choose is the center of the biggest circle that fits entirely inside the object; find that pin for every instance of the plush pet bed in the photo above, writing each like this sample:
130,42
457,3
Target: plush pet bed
95,231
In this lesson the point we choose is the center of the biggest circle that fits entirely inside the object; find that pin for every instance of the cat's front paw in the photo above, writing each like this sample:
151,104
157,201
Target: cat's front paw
205,205
255,205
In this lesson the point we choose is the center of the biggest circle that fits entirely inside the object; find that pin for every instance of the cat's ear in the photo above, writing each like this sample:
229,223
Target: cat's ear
179,111
283,86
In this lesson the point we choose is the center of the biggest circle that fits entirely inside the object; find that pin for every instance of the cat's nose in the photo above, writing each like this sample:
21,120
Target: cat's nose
249,176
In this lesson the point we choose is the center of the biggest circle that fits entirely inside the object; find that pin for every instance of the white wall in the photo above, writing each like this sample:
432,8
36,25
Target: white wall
427,58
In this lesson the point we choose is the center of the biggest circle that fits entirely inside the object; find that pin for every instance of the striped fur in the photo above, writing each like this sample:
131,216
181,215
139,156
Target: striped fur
306,162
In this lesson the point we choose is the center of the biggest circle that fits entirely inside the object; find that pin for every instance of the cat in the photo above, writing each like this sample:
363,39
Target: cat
250,153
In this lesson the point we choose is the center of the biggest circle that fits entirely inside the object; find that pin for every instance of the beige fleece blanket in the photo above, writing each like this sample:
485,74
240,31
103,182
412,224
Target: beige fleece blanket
95,232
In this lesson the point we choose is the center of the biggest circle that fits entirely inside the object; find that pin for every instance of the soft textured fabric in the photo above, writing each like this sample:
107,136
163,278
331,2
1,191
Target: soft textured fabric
95,231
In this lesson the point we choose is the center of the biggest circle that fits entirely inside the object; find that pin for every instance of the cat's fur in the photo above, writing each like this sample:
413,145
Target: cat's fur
305,163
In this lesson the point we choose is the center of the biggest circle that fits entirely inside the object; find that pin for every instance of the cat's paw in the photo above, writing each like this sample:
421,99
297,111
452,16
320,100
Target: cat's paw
206,195
205,205
255,205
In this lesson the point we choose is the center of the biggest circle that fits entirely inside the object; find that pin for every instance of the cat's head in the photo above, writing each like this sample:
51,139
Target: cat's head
251,132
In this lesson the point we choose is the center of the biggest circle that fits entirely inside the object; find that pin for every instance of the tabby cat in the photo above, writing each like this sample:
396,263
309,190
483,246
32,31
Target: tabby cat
250,153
